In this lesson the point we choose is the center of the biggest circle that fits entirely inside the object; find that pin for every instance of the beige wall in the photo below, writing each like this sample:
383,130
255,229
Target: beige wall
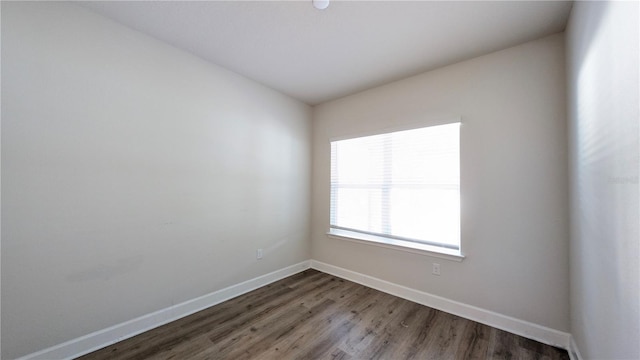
513,180
603,56
134,176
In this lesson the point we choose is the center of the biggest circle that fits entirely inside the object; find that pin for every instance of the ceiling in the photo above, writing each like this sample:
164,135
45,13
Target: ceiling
319,55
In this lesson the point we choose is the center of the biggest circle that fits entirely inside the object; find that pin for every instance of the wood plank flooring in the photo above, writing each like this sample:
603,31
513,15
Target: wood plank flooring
313,315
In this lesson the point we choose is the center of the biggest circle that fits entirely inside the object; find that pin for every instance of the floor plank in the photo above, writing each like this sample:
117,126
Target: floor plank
313,315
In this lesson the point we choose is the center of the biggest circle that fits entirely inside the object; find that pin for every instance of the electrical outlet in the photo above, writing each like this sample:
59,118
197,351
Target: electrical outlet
436,269
259,254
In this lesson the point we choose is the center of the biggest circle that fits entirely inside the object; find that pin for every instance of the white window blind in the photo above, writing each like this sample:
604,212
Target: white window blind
403,185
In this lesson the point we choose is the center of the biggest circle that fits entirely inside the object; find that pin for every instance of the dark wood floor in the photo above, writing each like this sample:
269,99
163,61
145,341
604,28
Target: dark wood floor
313,315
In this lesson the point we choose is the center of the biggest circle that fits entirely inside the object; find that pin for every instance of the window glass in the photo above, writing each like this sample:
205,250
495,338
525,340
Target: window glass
403,185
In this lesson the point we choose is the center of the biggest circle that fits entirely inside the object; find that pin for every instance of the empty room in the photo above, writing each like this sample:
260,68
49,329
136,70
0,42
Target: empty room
320,180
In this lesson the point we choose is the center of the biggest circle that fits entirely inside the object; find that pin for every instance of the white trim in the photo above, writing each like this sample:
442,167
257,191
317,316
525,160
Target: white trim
574,352
424,121
396,244
516,326
99,339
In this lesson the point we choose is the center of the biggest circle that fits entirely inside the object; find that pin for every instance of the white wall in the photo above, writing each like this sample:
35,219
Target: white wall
603,60
135,176
513,180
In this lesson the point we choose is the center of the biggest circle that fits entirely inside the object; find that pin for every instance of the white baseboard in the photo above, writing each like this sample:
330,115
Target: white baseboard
99,339
574,353
519,327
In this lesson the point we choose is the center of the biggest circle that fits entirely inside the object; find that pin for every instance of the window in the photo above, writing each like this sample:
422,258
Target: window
400,188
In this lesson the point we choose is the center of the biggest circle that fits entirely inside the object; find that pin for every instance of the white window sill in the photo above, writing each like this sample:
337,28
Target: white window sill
408,246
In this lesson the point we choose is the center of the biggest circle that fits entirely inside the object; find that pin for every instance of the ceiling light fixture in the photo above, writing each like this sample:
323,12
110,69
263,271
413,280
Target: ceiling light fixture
320,4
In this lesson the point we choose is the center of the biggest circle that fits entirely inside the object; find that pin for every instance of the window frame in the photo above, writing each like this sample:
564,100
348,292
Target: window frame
396,242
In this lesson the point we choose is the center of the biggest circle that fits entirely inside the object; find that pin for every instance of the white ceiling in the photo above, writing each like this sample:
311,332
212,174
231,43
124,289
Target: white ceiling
319,55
